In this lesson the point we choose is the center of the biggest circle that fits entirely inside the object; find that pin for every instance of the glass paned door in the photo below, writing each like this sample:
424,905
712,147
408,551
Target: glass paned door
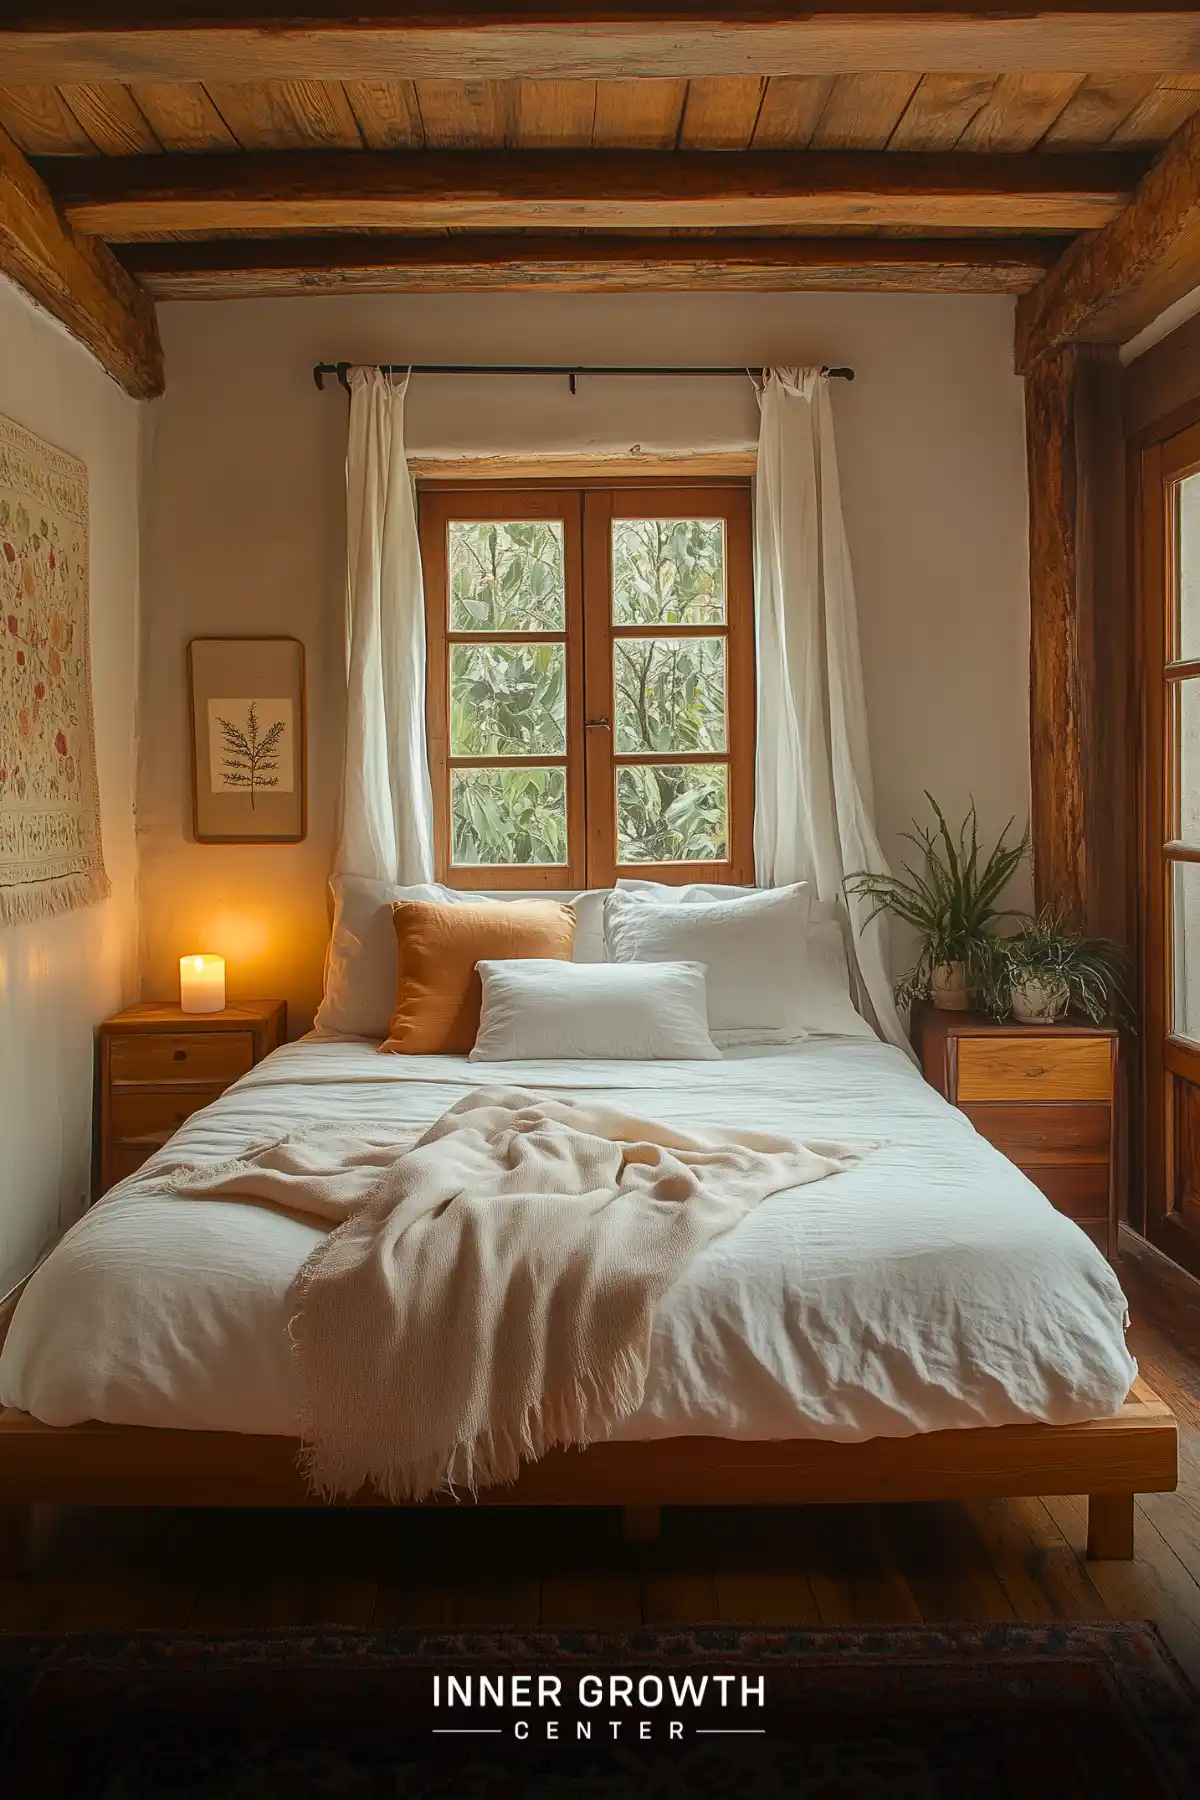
1181,718
1171,842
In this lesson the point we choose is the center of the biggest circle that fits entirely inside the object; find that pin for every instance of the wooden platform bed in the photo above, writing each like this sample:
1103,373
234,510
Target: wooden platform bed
1109,1460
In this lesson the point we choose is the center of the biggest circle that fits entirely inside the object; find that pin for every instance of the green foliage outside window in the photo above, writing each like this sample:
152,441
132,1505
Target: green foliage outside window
510,699
507,576
509,815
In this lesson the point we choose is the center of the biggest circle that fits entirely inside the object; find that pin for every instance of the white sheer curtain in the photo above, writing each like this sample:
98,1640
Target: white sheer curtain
387,809
813,801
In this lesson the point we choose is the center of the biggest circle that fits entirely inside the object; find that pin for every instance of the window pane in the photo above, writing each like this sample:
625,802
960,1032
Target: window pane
1185,936
508,816
669,693
1188,628
668,571
508,700
507,576
1189,761
672,812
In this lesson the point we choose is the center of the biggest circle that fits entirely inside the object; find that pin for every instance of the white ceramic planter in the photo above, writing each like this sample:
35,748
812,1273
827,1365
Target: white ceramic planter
1039,1002
950,990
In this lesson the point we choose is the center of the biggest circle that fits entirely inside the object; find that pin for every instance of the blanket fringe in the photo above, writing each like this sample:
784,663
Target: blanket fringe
27,901
491,1459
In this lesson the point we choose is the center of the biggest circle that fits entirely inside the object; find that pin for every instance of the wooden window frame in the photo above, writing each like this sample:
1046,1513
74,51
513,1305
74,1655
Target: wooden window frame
1167,1060
587,508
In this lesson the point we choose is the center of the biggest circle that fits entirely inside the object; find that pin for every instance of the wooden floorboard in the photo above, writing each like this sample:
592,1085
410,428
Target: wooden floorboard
946,1563
1034,1564
983,1560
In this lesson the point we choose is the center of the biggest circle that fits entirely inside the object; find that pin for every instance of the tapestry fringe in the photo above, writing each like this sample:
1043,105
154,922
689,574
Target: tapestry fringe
22,904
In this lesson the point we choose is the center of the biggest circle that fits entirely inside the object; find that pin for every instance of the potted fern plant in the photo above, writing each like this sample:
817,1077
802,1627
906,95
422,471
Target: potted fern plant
951,900
1048,968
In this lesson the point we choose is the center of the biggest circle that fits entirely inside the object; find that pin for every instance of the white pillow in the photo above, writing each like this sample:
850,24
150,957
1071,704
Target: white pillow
825,1002
751,948
658,893
536,1008
776,960
360,964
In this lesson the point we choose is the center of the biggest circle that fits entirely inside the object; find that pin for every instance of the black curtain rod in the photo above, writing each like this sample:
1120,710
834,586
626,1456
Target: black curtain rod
341,370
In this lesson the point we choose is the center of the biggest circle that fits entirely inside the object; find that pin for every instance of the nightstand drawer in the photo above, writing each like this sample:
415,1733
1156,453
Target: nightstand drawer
1078,1189
1034,1068
181,1056
1054,1133
140,1112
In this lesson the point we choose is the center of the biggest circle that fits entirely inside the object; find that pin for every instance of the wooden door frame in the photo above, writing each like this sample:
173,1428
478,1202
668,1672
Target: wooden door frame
1163,1059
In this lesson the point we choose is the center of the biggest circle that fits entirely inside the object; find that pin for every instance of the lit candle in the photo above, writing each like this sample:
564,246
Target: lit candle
202,984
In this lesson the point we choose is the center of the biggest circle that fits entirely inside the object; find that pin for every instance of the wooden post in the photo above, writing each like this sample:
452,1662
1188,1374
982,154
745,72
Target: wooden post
1080,644
1110,1526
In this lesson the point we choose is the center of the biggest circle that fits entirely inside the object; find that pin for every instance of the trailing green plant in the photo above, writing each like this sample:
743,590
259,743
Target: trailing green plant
950,899
1050,950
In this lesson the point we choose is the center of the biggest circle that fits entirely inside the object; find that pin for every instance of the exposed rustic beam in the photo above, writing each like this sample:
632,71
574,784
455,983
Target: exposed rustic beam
1080,650
174,40
123,198
1107,287
76,279
231,268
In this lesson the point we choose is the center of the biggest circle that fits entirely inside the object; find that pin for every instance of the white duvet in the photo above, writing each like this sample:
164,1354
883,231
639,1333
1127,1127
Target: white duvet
930,1286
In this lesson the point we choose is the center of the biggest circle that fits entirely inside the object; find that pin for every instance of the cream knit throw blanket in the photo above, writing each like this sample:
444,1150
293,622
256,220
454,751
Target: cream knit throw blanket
489,1292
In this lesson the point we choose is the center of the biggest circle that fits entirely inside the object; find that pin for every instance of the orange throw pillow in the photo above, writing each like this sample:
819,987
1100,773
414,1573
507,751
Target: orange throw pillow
440,994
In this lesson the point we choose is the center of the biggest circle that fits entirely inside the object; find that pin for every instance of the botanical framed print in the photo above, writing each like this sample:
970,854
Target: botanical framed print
248,740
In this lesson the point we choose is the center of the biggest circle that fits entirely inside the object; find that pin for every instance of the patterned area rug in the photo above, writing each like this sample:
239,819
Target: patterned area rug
1077,1712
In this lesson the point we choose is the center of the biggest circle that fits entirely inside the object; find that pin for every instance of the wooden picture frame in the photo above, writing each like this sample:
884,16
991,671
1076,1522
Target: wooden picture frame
246,706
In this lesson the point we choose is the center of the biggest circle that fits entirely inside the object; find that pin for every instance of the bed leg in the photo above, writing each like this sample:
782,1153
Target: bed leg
16,1540
641,1524
1110,1526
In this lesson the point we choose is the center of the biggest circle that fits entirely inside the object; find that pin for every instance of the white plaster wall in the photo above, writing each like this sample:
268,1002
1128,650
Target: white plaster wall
244,533
60,976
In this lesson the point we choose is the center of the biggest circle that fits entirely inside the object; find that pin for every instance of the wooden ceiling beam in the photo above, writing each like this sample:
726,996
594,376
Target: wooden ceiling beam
76,279
1109,286
124,198
221,40
238,268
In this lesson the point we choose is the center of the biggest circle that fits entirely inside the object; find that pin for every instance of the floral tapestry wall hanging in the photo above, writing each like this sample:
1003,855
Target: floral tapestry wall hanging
50,854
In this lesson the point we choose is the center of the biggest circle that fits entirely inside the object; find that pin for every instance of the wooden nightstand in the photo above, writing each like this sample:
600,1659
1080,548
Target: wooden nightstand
1043,1094
158,1065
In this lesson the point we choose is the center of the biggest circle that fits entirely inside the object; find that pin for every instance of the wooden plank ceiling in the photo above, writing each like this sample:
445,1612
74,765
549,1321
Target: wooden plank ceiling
1044,111
998,169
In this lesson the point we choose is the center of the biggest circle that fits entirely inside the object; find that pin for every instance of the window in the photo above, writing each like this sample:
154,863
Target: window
591,683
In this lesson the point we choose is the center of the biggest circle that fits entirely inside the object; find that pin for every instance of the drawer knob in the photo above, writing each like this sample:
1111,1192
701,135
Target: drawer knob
180,1056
